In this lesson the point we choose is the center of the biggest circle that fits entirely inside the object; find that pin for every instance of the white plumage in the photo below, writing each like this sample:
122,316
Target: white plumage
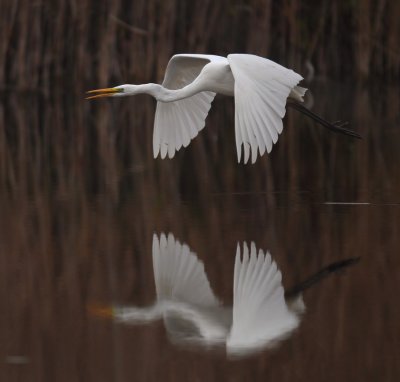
260,87
185,301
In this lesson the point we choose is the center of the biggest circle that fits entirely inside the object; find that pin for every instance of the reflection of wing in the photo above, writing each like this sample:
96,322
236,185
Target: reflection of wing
260,314
179,275
261,89
177,123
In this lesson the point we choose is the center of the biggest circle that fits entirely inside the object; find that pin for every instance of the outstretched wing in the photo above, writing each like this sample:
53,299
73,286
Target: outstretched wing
261,89
177,123
178,273
260,313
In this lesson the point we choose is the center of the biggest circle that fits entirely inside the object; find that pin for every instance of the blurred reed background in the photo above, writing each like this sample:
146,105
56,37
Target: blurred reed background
63,46
81,195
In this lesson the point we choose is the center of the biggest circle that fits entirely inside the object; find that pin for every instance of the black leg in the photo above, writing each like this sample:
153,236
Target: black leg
337,126
320,275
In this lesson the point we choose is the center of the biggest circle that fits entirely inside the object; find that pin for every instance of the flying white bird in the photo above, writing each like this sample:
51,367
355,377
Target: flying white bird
260,87
262,313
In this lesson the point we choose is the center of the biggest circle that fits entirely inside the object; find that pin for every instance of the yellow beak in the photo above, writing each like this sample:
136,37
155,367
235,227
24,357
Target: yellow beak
99,93
102,311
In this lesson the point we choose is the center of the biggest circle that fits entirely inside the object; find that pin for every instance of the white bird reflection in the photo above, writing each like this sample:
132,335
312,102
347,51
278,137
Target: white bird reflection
259,317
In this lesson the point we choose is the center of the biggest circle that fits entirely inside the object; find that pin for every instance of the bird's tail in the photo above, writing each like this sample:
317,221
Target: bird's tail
319,276
298,93
336,127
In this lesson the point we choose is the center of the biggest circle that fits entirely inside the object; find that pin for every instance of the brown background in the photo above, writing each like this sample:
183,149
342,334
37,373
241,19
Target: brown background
81,195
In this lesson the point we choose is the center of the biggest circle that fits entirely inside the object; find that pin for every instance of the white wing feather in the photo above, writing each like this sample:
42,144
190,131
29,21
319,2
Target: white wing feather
179,275
260,313
177,123
261,89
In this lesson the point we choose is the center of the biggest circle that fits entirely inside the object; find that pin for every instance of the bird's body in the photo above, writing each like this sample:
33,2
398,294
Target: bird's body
260,87
216,76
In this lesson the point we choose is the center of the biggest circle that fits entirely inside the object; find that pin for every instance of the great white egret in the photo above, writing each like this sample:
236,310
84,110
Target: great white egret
262,313
260,86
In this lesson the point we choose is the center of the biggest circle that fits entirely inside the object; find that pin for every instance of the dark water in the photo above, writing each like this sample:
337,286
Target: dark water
80,199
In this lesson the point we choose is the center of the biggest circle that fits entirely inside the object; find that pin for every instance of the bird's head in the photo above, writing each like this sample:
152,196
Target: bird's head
117,91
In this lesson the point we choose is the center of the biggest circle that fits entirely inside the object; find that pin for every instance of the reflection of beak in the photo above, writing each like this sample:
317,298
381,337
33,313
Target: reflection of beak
102,311
107,92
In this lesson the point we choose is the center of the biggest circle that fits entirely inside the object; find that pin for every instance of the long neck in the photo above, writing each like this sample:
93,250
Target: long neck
136,314
163,94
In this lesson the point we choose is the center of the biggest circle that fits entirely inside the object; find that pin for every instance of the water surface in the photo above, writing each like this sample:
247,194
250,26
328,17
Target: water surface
80,200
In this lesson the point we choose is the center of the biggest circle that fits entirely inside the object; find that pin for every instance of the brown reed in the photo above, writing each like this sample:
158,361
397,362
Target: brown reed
67,46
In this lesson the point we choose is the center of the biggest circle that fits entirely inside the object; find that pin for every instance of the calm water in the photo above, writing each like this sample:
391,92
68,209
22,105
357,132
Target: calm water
80,200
